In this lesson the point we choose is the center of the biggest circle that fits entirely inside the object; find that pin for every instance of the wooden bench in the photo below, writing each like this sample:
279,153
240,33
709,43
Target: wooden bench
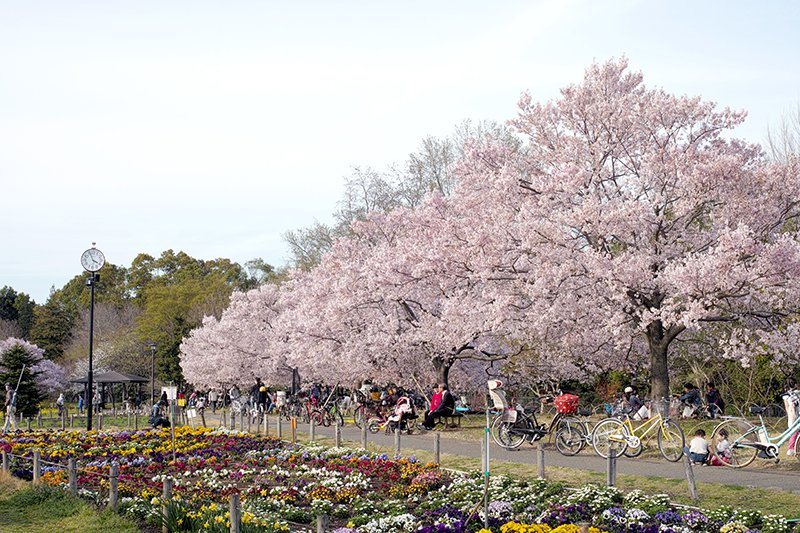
450,421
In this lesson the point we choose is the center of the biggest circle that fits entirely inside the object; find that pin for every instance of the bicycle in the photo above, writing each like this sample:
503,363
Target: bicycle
513,425
574,434
736,442
620,434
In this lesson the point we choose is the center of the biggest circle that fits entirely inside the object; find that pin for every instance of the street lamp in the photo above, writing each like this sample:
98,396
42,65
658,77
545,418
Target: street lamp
152,346
92,260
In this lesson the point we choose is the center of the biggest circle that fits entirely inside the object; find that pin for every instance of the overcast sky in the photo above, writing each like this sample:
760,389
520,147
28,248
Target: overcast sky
214,127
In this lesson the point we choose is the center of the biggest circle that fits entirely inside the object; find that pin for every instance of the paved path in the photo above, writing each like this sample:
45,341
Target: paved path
753,476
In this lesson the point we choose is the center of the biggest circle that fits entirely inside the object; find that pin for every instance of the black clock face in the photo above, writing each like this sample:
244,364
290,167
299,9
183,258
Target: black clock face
92,259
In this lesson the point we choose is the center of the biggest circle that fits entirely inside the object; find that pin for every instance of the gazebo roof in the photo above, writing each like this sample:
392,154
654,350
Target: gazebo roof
113,377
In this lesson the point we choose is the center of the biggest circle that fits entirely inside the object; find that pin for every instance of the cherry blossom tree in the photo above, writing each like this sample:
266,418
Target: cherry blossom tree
615,220
239,346
23,363
637,221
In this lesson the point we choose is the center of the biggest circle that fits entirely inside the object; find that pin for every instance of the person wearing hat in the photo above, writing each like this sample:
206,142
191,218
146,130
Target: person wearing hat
634,403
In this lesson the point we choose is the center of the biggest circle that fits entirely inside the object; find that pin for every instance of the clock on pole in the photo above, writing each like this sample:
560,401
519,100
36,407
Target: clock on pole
92,259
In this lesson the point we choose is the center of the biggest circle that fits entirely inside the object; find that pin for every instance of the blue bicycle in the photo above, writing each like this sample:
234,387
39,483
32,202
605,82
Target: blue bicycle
736,442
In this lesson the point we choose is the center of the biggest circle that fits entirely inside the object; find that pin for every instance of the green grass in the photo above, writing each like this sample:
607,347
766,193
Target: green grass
25,508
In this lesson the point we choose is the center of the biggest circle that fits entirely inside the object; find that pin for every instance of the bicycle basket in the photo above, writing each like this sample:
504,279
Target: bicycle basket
661,407
566,404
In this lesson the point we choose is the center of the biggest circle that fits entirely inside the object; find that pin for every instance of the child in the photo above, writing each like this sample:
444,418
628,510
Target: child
724,447
698,448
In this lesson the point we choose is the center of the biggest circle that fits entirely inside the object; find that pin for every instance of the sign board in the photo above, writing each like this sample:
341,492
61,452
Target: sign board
172,392
191,413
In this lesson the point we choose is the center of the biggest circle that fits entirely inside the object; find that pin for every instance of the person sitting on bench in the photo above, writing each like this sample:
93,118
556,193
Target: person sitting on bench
446,408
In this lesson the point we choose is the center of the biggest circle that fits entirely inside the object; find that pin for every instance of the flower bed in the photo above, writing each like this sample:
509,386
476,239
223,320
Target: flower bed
284,488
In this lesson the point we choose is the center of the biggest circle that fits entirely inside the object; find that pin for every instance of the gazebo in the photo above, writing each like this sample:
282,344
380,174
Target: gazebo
113,377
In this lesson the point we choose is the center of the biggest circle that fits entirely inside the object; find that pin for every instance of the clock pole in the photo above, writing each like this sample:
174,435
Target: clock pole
92,261
93,278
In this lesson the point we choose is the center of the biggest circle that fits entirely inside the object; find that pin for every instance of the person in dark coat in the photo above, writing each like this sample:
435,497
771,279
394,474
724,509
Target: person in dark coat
446,407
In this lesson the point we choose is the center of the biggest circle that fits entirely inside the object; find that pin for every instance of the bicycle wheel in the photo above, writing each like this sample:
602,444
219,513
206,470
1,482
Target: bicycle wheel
634,451
494,429
504,433
609,434
570,437
327,419
374,425
732,442
358,417
671,441
317,417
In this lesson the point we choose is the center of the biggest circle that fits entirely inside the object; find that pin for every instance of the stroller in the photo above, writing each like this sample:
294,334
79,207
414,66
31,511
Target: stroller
404,416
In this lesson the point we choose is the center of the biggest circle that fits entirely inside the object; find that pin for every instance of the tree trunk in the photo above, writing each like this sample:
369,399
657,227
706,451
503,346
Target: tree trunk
442,364
658,342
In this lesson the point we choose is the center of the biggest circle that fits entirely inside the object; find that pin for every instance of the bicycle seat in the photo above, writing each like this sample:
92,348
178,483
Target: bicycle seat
756,410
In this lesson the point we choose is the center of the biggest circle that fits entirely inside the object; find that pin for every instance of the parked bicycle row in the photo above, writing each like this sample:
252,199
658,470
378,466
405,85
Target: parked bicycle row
734,442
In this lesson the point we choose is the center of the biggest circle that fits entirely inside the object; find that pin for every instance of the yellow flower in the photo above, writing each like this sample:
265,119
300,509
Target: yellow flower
206,525
219,519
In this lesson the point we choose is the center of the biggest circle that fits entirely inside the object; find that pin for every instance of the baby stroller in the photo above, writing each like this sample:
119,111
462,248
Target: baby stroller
404,416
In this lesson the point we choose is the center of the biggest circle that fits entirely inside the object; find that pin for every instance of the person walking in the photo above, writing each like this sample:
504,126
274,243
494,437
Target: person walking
11,409
60,404
212,399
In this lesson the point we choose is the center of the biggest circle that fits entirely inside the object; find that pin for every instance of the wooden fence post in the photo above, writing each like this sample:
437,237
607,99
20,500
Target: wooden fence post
235,510
611,467
280,427
5,461
39,420
266,425
136,421
397,440
37,467
241,420
71,421
63,421
166,496
113,487
437,446
100,421
540,459
73,476
322,523
687,463
364,435
29,423
311,432
249,424
337,435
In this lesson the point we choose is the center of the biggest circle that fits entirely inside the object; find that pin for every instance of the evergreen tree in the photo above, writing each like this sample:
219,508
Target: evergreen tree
29,394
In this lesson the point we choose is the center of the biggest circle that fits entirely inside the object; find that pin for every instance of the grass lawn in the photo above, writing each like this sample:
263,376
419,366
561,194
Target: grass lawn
25,508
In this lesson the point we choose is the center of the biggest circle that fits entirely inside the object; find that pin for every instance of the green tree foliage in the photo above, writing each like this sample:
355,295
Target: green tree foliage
28,394
17,307
172,310
53,323
156,299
